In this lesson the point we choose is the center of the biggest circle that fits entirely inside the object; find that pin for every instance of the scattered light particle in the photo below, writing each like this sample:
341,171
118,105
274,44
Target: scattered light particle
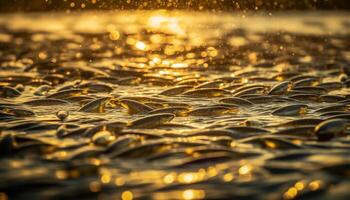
95,161
270,144
193,194
237,41
228,177
315,185
141,45
212,171
119,181
169,178
187,177
291,193
157,39
157,21
179,65
78,55
156,60
42,55
106,178
127,195
114,35
61,174
299,185
245,169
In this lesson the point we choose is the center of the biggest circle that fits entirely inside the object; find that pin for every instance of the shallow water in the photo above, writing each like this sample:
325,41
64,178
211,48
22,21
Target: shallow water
228,150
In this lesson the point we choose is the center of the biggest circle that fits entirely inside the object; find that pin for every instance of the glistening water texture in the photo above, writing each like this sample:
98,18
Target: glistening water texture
173,105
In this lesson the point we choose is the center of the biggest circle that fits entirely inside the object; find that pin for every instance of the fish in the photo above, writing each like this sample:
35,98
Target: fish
247,129
232,86
302,77
123,142
236,101
291,110
260,99
20,88
213,111
331,98
95,106
18,112
176,104
253,90
135,107
248,87
306,82
112,126
46,102
284,76
345,116
106,79
79,99
129,81
145,149
176,90
35,148
65,94
42,90
144,99
302,122
270,142
156,81
92,87
310,89
206,92
178,111
338,107
151,121
306,97
193,82
210,84
303,131
329,129
280,88
9,92
330,86
169,126
212,133
61,131
85,152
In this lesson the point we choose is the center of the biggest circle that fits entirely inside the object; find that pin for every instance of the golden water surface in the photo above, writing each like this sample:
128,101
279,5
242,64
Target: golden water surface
174,105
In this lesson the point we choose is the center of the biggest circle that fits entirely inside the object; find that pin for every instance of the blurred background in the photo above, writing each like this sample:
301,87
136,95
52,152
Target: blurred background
209,5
